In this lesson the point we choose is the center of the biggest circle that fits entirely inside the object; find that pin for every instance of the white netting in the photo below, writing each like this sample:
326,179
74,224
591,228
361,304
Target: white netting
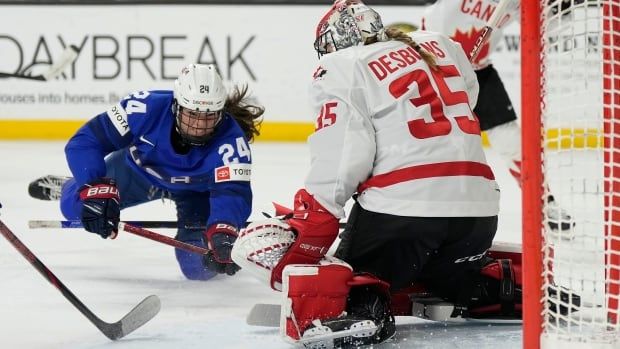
581,118
261,245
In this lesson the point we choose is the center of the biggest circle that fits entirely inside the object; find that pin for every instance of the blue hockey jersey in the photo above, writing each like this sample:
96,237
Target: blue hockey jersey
142,125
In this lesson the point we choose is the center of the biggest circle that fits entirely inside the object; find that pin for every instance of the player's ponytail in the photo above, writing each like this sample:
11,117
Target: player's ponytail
398,35
247,115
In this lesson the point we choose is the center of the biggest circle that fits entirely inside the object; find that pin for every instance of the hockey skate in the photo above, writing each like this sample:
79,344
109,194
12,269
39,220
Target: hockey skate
559,221
47,188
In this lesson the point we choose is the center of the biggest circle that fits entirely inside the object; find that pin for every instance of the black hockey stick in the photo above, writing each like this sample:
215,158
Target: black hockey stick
136,228
67,57
162,238
35,224
138,316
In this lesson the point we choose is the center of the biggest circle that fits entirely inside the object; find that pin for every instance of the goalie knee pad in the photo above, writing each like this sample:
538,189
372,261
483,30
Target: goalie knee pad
370,298
497,291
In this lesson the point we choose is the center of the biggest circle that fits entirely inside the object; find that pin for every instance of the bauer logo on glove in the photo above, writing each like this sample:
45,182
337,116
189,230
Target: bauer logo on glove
101,207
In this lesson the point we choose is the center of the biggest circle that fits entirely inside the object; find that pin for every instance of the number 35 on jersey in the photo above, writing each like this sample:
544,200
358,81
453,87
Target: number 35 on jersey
327,117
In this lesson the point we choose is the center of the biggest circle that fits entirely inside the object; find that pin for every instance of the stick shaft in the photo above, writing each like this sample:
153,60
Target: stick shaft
74,224
34,224
502,8
161,238
68,56
47,274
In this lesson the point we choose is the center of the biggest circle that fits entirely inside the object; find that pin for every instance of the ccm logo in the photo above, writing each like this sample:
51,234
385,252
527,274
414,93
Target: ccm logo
471,258
102,191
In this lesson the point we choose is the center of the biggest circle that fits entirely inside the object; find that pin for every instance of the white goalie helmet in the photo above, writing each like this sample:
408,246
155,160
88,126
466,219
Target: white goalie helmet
199,97
348,23
261,245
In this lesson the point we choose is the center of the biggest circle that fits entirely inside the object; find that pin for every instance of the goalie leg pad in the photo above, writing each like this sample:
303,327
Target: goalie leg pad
312,292
326,306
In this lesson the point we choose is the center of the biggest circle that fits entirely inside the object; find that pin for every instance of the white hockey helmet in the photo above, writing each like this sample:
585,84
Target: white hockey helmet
347,23
199,97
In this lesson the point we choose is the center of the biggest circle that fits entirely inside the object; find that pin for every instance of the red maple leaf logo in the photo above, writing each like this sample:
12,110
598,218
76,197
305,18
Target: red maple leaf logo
318,73
467,41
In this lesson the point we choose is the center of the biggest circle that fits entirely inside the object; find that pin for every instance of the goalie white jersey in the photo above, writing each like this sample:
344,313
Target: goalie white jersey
400,134
463,21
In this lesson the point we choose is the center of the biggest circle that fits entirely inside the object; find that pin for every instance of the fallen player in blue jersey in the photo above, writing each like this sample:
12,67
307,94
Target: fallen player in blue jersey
189,145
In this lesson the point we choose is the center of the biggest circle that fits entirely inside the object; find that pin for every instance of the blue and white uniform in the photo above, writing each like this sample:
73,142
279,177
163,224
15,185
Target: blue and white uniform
132,143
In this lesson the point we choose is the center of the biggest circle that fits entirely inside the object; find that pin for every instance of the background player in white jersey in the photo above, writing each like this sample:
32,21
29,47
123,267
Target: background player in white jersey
189,144
393,124
463,21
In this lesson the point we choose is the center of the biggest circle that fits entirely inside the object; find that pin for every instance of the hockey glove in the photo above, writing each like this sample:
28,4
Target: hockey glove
101,207
220,238
316,230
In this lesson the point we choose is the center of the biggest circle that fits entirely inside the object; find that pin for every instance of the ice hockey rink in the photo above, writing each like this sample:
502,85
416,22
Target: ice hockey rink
112,276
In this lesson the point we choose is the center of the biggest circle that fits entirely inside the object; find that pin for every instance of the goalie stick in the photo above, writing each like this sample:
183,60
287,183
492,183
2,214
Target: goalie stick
502,8
422,305
416,301
138,316
67,57
434,309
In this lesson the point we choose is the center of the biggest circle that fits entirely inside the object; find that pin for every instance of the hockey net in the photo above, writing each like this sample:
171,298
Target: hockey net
571,135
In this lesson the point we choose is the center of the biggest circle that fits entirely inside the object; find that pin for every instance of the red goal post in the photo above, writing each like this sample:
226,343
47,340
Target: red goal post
570,72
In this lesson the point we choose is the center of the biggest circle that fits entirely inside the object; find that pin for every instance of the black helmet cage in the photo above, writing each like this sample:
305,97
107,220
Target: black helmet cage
188,137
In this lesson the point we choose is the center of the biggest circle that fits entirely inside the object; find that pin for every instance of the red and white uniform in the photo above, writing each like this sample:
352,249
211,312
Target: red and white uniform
463,21
401,135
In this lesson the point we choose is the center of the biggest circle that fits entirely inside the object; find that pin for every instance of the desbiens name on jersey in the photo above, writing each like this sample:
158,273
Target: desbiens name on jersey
233,172
395,60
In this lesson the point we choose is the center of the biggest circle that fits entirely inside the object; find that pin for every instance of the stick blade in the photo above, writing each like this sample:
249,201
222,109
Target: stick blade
68,56
138,316
35,224
266,315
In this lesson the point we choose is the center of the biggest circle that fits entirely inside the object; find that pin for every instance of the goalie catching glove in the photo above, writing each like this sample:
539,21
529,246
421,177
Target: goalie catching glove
265,247
316,229
220,238
101,210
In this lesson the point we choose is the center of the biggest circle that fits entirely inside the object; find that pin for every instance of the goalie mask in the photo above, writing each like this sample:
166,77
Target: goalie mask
261,245
199,97
348,23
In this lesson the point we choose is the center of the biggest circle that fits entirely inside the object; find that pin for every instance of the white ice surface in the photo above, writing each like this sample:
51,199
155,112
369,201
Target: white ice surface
112,276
